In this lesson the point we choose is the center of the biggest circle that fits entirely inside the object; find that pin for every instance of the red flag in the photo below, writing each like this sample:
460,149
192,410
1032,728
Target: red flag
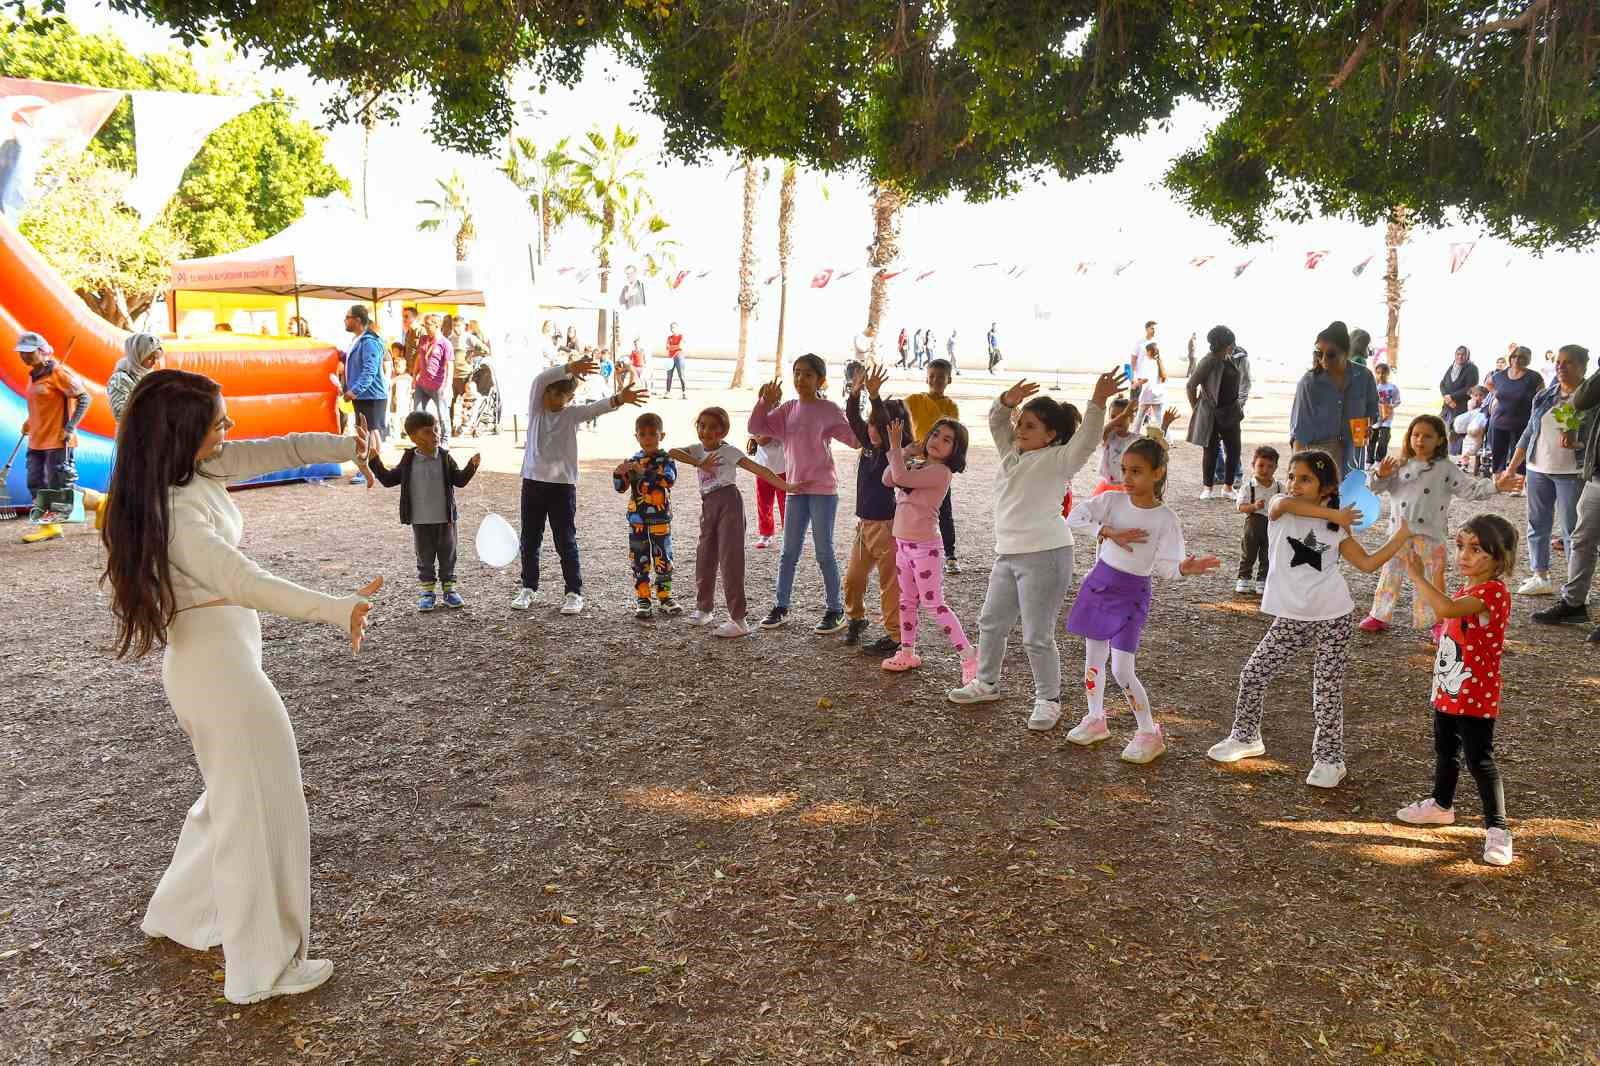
674,280
1201,260
887,274
1084,266
1314,259
820,279
1459,254
1242,267
563,270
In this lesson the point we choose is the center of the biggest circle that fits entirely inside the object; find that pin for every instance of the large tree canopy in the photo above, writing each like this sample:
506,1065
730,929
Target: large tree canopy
1486,108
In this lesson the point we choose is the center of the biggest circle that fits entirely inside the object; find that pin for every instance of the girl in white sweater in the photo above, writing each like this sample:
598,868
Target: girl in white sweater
241,875
1033,546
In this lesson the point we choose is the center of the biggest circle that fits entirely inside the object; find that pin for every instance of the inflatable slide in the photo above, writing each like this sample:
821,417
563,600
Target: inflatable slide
273,385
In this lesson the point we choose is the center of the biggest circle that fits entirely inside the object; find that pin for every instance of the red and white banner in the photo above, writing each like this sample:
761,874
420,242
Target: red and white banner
1242,267
1459,254
1314,259
36,116
820,279
1201,260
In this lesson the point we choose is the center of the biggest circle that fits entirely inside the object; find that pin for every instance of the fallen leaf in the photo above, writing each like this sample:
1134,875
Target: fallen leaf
579,1037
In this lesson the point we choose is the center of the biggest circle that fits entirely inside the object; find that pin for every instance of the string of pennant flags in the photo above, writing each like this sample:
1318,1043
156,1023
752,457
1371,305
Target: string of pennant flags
1314,259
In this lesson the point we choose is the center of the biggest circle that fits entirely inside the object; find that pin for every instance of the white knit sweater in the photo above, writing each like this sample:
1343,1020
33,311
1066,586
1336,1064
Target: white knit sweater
1029,485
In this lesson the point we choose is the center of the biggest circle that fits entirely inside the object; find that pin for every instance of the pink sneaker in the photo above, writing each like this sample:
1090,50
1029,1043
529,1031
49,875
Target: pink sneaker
902,660
763,542
969,670
1370,624
1145,747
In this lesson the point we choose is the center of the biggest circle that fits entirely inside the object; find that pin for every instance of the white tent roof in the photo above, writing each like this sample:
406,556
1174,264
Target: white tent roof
333,253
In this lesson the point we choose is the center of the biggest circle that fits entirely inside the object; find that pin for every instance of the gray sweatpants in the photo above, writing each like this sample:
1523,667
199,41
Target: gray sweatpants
436,543
1585,545
1032,586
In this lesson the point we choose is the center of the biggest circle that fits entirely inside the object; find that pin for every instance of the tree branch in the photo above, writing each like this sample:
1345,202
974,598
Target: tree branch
1521,22
1363,45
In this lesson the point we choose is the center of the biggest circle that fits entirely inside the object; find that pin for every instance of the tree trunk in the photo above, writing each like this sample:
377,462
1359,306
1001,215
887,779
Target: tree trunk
544,225
747,270
607,223
886,203
465,234
785,247
1398,233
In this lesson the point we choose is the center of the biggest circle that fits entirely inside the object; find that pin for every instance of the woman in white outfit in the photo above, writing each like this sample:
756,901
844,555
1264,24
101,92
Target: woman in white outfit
241,875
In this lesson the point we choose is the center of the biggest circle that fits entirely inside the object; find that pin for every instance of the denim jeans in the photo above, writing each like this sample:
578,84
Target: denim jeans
1550,495
422,399
818,512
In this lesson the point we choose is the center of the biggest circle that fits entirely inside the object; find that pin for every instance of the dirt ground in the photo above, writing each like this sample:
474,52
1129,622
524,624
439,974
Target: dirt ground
542,839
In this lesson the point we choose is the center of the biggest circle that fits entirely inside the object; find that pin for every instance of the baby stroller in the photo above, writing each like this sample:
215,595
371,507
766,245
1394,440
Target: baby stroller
483,407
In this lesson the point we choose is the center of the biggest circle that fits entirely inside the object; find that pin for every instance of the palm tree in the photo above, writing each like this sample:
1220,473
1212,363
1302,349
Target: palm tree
547,181
786,199
747,269
1398,233
887,200
608,179
453,208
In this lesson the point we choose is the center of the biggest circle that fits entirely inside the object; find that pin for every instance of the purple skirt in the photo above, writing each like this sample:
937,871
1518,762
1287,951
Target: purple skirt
1111,606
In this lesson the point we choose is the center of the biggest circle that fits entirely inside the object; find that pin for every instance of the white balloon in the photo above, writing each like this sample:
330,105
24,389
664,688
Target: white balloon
496,541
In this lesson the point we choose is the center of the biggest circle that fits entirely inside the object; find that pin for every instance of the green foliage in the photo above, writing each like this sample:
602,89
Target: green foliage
609,178
545,179
248,181
452,208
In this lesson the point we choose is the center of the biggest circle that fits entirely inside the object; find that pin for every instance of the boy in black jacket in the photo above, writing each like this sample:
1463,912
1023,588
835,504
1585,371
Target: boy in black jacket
428,478
874,540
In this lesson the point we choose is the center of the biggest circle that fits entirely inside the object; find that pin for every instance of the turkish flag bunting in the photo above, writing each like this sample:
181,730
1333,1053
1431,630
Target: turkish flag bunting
820,279
1314,259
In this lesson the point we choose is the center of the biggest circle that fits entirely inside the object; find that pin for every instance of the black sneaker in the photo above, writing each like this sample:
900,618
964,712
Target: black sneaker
778,616
832,622
643,610
671,607
1562,612
883,647
852,634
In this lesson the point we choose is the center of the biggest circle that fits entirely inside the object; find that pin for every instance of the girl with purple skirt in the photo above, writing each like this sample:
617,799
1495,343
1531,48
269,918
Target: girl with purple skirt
1139,536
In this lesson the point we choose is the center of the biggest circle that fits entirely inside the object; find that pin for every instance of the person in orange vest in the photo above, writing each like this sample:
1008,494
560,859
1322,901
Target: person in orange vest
57,402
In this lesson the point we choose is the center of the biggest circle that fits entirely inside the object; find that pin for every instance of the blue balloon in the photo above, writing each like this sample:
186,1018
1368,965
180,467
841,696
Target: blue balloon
1354,493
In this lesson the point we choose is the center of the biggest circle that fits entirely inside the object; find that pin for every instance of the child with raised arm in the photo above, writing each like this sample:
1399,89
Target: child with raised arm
1119,434
918,553
647,477
926,408
806,426
550,475
721,544
1307,534
873,546
1420,485
428,478
1033,563
1139,537
1466,678
1251,501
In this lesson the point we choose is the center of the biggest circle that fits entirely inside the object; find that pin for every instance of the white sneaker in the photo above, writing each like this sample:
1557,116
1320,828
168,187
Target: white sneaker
763,542
1536,586
1497,847
1242,587
1229,750
1325,774
1091,730
974,691
732,628
699,618
302,975
572,603
1426,812
1205,493
1145,747
1046,713
524,599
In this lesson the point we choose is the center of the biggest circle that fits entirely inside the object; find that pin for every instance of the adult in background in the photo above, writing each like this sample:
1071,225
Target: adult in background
571,346
1329,395
57,402
675,361
1138,345
994,348
1152,398
412,337
364,385
241,873
1514,389
549,345
903,346
434,359
1584,544
1553,465
1360,346
1456,389
141,353
460,365
950,351
1216,393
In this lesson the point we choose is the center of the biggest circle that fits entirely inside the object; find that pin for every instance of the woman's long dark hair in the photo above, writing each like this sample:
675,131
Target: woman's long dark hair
167,418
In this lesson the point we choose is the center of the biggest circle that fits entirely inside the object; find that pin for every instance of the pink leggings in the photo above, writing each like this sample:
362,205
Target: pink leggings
921,568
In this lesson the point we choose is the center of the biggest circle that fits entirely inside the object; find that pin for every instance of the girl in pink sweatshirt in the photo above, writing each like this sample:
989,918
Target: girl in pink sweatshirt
919,550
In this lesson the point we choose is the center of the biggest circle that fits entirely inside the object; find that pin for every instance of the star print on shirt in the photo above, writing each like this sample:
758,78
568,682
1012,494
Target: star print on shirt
1307,552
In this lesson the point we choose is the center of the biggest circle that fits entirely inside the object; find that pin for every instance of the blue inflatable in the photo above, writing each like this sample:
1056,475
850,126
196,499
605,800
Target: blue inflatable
1353,492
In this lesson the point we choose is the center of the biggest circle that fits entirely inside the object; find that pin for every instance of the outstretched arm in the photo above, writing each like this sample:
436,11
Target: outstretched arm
1282,505
1436,597
1366,561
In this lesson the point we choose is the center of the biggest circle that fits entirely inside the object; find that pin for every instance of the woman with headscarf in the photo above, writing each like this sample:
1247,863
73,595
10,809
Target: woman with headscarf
1330,395
141,353
1456,388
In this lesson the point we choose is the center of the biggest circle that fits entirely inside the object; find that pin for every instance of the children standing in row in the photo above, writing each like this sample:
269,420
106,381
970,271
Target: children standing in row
1466,678
1307,533
1251,500
926,408
721,544
428,478
1139,536
1033,563
550,475
806,426
917,554
1420,485
647,477
873,546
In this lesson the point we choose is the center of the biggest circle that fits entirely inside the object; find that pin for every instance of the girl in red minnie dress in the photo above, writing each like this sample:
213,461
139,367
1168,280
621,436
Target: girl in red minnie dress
1466,678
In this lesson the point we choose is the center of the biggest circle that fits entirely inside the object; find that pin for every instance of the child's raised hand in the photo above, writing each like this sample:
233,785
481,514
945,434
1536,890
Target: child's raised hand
877,379
1016,394
1198,564
1168,417
1108,385
1387,466
1347,516
631,396
621,470
1508,481
582,367
771,393
472,464
897,430
358,613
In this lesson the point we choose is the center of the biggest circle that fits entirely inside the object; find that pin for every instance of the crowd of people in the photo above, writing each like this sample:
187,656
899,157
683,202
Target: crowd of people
916,348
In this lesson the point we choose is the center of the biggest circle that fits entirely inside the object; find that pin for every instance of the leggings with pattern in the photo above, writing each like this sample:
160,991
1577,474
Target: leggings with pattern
1286,637
921,568
1432,554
